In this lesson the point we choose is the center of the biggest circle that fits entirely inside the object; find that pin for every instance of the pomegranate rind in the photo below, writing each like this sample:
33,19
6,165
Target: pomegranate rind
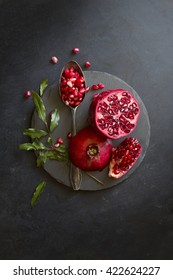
124,157
114,113
79,144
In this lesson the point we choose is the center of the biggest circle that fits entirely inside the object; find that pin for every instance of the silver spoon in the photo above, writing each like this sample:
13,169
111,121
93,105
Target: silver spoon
75,172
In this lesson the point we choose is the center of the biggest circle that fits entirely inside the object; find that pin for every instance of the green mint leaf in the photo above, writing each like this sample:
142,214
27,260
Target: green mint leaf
63,152
61,149
50,141
56,156
53,155
43,86
34,133
32,146
41,159
39,105
37,193
54,120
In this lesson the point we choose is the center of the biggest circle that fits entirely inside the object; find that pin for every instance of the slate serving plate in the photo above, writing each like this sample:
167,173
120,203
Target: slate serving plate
51,98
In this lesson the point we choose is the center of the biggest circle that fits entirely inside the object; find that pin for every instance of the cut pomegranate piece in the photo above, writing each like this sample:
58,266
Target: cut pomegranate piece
124,157
90,151
114,113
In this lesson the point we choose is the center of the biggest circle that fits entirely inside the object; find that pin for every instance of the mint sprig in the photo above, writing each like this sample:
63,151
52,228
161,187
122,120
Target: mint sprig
45,150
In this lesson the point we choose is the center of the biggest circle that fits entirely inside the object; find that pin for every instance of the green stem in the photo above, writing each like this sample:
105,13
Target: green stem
49,133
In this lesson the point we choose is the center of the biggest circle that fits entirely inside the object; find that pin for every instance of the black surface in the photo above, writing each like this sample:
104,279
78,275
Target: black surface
132,40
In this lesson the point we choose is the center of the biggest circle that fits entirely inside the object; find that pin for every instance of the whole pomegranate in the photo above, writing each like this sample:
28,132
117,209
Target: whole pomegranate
90,151
114,113
124,157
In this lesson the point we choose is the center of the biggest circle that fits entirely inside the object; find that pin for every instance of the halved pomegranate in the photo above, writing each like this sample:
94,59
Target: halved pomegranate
124,157
90,151
114,113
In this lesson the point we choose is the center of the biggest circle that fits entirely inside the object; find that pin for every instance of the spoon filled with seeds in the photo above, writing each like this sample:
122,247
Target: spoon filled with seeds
72,88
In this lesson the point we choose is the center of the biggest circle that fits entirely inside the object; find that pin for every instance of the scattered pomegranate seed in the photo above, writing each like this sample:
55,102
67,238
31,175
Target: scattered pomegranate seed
27,94
59,140
87,64
69,135
95,95
75,50
95,87
56,145
100,85
54,59
87,89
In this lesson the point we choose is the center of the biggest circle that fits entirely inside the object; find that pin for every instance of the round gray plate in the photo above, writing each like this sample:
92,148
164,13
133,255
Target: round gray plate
60,170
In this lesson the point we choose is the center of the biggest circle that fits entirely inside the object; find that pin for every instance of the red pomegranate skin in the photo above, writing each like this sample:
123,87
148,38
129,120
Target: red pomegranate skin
116,117
83,144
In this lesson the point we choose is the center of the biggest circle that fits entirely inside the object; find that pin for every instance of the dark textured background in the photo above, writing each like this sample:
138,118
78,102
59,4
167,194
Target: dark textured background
132,40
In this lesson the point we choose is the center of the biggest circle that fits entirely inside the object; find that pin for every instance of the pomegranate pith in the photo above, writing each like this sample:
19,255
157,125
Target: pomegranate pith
90,151
114,113
124,157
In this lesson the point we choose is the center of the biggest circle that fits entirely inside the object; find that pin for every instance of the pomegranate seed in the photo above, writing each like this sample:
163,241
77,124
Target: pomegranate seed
56,145
59,140
75,50
100,85
27,94
95,87
66,73
67,103
77,103
69,135
54,59
69,83
95,95
82,91
87,89
87,64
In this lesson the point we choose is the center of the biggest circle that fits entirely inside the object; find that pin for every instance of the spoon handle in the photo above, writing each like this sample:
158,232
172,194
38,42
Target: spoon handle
75,172
73,110
75,177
